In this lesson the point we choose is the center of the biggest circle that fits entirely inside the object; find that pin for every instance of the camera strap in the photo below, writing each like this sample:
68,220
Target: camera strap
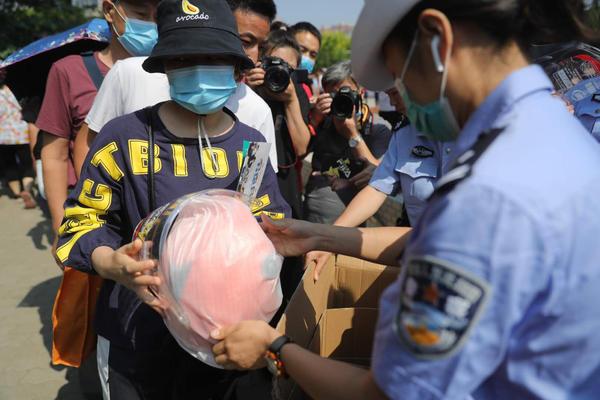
366,120
279,120
150,131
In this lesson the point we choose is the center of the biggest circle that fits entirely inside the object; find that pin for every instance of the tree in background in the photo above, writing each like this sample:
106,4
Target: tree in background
593,14
335,47
24,21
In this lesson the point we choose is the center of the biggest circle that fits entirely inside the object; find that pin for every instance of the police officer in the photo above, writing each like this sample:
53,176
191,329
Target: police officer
411,166
588,112
498,295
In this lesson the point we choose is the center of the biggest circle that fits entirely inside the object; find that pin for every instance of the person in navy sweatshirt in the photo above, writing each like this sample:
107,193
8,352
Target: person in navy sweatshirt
198,145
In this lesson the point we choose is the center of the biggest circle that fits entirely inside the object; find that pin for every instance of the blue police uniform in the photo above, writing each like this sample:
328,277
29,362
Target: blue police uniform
411,166
498,296
588,112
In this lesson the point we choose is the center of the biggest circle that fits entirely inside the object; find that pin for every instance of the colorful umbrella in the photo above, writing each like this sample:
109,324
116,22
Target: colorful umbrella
28,67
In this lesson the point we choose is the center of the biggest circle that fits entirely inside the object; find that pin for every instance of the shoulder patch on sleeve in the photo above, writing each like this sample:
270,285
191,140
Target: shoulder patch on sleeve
439,305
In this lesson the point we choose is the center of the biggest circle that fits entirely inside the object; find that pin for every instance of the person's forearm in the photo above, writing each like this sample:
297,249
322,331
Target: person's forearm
299,132
80,149
322,378
55,168
101,257
56,183
362,152
380,245
363,206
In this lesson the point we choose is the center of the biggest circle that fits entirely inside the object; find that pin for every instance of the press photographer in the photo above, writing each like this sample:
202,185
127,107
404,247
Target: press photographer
275,80
309,39
347,142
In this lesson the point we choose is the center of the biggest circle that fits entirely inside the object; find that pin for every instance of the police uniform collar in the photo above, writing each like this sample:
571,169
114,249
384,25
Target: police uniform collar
516,86
432,143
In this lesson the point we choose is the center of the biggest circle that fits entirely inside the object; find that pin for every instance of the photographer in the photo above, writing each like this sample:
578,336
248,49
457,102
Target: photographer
274,80
309,38
347,141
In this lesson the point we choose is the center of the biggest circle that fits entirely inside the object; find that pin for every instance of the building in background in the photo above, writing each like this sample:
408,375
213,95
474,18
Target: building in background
344,28
85,3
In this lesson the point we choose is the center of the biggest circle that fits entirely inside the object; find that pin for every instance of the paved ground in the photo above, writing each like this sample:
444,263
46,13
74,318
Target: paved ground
27,288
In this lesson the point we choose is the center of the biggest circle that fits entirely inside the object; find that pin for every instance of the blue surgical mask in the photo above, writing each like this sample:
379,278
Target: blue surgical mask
139,38
202,89
307,64
436,120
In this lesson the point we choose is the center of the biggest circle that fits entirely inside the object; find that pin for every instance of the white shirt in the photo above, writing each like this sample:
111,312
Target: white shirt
384,102
128,87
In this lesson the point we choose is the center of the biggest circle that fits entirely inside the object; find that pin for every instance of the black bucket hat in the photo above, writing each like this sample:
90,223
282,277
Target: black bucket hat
195,27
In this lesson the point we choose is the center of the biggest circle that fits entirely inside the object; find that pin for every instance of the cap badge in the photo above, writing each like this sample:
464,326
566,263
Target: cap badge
192,12
189,8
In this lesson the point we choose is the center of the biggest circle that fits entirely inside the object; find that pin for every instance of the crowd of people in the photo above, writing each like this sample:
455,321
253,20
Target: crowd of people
496,243
17,145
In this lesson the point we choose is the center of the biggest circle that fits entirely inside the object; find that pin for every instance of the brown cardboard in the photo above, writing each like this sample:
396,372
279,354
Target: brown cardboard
345,334
344,282
335,317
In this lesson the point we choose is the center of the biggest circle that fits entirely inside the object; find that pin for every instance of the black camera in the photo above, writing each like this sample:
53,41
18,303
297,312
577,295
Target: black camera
345,102
277,74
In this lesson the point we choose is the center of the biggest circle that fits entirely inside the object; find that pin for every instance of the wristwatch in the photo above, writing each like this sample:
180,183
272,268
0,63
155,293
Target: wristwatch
273,357
355,141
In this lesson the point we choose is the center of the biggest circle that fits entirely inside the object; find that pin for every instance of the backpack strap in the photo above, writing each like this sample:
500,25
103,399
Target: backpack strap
89,61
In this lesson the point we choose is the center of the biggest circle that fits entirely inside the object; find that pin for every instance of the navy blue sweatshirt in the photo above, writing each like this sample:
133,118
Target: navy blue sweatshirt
111,197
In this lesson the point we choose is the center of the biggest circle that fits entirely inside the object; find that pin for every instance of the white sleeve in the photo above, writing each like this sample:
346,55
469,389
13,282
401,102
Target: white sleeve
268,130
108,103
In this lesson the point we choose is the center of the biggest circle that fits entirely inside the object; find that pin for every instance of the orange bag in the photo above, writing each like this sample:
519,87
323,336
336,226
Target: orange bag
72,318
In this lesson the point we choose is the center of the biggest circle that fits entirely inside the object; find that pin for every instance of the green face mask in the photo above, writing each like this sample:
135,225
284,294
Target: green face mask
435,120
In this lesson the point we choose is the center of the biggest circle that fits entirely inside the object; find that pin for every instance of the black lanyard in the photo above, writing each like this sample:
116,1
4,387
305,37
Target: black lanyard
150,130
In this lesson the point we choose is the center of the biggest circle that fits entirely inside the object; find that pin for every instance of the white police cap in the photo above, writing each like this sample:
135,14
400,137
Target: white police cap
377,20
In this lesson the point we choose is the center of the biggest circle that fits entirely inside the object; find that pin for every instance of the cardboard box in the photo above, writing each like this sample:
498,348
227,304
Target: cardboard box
345,334
335,317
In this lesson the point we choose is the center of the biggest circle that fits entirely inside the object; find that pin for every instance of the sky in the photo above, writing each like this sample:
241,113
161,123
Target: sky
319,12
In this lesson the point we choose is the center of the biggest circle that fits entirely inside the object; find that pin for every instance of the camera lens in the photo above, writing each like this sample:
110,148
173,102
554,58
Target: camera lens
277,79
342,106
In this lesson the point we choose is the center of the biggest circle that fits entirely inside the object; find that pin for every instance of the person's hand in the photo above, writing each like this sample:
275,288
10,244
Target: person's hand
123,267
286,97
363,178
338,184
347,127
53,250
319,258
333,180
243,346
568,104
291,237
256,76
321,109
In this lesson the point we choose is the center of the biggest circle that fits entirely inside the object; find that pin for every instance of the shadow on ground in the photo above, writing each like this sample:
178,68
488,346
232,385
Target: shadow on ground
41,235
82,383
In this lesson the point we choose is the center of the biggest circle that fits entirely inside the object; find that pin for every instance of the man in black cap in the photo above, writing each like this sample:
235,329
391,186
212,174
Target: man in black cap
197,142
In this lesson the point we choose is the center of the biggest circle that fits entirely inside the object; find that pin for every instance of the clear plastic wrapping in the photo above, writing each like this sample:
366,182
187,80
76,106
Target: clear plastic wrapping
217,267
